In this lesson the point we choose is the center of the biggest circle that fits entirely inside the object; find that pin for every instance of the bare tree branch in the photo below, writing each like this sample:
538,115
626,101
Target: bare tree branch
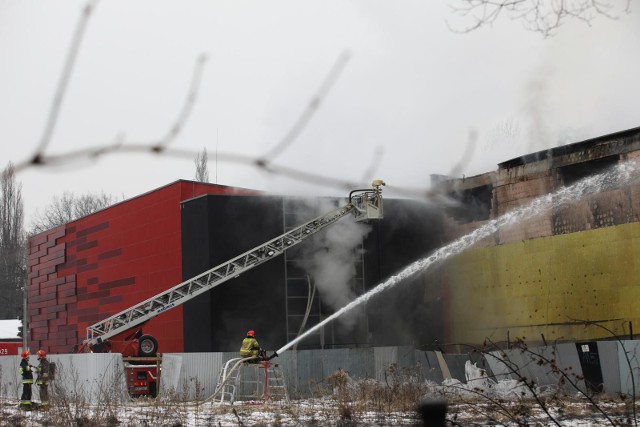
542,16
308,113
64,81
69,207
161,146
187,107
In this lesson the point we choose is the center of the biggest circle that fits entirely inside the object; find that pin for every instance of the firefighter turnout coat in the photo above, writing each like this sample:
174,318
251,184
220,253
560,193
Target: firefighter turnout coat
250,347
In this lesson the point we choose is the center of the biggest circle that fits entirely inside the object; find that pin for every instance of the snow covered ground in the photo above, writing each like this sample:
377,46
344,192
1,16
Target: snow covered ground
461,411
399,400
149,413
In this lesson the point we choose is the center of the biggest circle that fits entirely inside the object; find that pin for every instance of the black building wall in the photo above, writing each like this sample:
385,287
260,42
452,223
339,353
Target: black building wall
409,231
217,228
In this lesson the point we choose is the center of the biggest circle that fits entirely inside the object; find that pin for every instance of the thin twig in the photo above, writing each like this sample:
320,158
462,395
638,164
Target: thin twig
308,113
187,107
161,146
61,90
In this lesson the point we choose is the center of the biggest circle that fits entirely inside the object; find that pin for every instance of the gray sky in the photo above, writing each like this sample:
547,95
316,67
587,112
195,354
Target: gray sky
410,87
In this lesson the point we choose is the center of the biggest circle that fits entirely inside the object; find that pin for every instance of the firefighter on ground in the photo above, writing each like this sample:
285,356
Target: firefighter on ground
250,346
43,369
27,380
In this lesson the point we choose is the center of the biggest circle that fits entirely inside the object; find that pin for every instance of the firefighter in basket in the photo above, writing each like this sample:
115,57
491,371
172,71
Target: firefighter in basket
251,348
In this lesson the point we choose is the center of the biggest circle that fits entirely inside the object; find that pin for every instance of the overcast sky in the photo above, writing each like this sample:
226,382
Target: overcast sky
410,89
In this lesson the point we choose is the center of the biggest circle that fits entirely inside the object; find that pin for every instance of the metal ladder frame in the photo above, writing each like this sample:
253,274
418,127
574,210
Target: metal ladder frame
228,373
230,379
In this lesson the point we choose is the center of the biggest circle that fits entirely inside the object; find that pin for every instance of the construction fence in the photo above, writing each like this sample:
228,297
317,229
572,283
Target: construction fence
610,367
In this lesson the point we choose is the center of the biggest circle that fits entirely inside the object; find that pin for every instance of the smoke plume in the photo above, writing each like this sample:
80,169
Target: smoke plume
330,259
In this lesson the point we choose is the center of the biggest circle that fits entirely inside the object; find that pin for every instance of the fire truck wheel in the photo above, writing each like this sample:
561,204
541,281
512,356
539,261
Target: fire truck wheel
148,346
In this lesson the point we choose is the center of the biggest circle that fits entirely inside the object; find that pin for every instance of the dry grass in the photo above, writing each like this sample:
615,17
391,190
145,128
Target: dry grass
339,400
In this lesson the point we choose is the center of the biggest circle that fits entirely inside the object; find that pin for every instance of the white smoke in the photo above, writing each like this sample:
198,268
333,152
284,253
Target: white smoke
330,259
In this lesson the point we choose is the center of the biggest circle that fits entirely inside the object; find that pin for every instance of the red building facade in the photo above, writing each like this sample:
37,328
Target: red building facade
94,267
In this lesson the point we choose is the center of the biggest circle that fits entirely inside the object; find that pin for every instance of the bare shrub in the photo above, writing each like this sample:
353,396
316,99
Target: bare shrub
70,399
400,393
521,401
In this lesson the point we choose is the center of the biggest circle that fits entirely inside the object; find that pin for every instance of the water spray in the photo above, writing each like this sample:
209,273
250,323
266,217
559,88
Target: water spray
610,179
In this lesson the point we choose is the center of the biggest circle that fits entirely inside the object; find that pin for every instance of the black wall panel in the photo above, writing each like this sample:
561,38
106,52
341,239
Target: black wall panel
216,228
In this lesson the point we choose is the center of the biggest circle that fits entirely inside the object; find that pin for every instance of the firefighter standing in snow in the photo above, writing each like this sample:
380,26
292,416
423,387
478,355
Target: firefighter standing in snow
44,368
250,346
27,380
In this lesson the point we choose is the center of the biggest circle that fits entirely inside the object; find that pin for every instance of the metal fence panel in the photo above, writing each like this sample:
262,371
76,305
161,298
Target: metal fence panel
351,360
287,362
608,351
629,371
535,364
87,377
500,370
456,364
170,375
567,359
95,377
430,368
10,380
197,376
384,357
311,372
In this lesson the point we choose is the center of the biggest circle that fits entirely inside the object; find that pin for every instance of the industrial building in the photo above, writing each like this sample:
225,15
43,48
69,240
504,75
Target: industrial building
97,266
568,274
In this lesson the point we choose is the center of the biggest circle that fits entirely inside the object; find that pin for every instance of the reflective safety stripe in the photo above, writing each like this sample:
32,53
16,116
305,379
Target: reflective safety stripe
25,402
27,381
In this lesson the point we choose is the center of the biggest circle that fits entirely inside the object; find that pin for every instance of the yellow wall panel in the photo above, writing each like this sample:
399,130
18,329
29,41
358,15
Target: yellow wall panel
546,286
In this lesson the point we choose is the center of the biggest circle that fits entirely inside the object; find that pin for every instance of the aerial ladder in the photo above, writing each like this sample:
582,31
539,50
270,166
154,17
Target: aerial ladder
364,204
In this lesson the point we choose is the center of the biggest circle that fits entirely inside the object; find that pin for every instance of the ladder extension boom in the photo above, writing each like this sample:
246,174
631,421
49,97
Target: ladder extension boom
365,205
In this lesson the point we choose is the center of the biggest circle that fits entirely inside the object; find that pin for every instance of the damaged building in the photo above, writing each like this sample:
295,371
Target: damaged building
568,273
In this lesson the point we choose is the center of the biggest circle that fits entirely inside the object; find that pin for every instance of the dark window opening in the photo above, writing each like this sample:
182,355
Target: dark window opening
475,204
573,173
